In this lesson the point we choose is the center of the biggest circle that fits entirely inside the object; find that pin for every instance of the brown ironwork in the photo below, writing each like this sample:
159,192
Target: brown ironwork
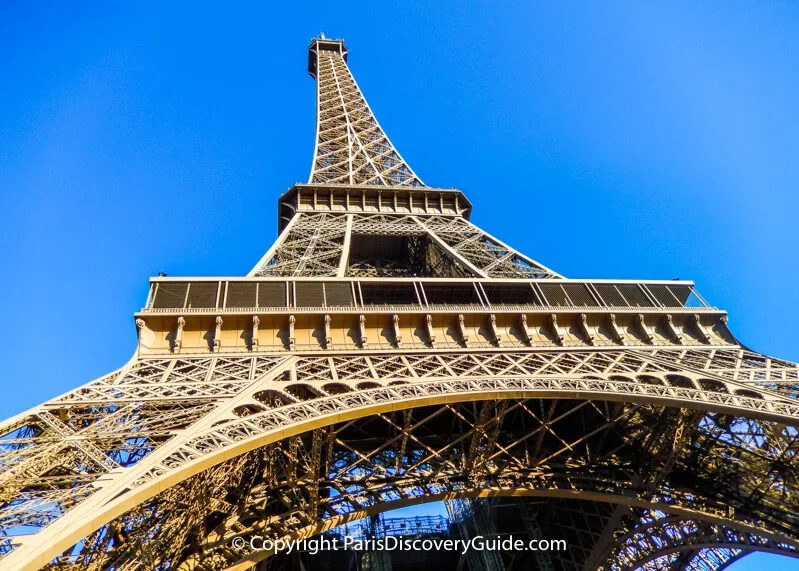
386,352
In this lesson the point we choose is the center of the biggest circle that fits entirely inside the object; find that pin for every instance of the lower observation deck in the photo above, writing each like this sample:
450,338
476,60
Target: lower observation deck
190,316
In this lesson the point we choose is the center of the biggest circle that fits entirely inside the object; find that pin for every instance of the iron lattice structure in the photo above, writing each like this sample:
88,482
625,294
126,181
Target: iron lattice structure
387,352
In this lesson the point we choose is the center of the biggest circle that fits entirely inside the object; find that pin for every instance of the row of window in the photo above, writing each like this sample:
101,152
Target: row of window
273,294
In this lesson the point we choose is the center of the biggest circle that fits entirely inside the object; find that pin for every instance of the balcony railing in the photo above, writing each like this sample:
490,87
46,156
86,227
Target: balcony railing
275,295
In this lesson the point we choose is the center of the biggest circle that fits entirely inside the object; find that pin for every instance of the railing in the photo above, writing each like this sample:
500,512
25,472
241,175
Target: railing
395,526
278,296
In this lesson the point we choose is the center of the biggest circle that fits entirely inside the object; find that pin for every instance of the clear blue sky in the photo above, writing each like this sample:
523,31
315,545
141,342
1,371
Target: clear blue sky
606,140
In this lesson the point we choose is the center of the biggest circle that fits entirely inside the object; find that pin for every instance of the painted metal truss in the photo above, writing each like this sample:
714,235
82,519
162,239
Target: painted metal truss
320,244
351,147
658,541
678,453
94,471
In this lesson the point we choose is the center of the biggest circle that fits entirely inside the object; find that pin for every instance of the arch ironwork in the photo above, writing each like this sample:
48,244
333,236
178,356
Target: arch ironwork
385,351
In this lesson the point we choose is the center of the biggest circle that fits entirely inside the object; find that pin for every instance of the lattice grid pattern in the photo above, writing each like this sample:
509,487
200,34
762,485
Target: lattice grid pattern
664,458
351,148
119,429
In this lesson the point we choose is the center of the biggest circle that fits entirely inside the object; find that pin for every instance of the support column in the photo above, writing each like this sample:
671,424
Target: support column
614,329
703,333
292,339
524,329
328,337
676,336
428,323
462,331
648,337
179,333
492,325
395,326
553,323
217,334
583,322
255,322
362,329
345,250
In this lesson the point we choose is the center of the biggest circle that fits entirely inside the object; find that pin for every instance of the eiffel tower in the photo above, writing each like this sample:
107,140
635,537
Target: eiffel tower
387,352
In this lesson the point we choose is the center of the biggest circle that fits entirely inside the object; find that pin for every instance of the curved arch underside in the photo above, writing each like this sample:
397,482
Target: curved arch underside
291,445
660,541
566,449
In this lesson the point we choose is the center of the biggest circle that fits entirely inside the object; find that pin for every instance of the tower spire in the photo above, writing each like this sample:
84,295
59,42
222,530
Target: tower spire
351,147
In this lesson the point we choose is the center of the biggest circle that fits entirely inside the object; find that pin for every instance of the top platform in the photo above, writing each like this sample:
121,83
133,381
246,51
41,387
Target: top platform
323,43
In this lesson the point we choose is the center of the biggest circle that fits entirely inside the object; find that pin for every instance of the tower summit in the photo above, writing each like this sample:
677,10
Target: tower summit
351,147
324,44
385,352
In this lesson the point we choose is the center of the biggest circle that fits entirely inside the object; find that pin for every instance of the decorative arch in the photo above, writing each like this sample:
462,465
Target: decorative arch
681,428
